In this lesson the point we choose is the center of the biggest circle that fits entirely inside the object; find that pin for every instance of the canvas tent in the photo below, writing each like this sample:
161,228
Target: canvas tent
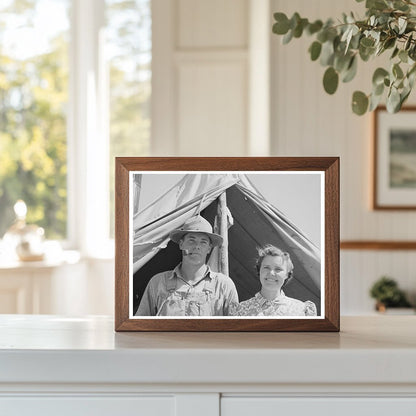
251,221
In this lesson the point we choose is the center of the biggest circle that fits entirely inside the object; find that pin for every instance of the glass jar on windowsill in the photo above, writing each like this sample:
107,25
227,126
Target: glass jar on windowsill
26,242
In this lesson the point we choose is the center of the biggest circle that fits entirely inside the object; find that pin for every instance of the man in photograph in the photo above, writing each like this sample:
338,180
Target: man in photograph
192,288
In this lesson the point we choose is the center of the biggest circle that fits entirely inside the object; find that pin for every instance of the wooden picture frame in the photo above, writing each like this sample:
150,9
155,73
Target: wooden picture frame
394,157
266,222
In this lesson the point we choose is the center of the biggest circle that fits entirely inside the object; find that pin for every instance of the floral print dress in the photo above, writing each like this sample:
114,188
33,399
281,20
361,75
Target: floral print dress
280,306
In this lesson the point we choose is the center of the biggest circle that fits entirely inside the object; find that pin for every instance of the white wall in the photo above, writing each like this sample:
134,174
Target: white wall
203,84
308,122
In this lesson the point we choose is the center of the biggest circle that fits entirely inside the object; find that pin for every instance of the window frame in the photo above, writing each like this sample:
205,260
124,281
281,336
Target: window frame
88,133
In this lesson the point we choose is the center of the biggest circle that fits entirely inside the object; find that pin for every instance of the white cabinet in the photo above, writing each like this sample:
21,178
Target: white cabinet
88,406
323,406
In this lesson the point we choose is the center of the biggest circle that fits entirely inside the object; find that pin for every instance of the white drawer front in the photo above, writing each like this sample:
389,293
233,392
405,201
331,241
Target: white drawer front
87,406
272,406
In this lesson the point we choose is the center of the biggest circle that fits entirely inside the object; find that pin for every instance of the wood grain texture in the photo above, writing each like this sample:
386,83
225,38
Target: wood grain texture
121,243
330,165
332,225
378,245
226,163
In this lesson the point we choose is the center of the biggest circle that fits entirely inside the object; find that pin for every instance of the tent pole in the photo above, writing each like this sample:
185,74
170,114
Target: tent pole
223,251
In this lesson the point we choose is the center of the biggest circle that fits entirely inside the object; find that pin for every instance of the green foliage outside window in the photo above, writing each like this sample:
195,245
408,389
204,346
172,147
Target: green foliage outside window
33,98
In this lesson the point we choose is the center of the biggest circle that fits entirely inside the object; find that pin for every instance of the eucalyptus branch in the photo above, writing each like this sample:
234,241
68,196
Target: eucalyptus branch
389,25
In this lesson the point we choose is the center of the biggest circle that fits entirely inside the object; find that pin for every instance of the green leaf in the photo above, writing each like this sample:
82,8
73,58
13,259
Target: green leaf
294,20
367,42
351,71
393,101
288,37
330,80
403,56
411,76
281,27
402,24
397,71
341,62
298,30
412,52
359,103
315,50
314,27
382,19
332,33
412,70
327,53
337,42
379,75
404,95
376,4
355,41
408,42
366,53
375,35
395,53
348,34
378,89
322,36
394,26
389,43
374,101
400,5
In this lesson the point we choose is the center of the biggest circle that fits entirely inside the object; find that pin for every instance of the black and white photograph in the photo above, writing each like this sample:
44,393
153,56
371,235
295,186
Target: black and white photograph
227,245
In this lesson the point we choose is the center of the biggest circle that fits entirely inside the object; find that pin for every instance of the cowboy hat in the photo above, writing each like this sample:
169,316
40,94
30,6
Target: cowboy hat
196,225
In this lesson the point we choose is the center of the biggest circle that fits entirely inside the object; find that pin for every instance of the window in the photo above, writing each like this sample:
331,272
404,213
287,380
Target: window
33,98
75,86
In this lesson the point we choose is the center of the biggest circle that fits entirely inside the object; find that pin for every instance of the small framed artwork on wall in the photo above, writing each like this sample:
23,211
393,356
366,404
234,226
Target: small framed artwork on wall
394,179
227,244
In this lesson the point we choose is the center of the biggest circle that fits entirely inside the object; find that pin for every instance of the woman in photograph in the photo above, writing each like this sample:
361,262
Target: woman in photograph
274,269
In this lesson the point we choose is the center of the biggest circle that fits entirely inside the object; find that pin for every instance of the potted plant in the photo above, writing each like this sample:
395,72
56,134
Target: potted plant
389,27
387,294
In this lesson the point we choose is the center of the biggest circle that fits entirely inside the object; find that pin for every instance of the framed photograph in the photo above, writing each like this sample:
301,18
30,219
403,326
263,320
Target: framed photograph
227,244
394,159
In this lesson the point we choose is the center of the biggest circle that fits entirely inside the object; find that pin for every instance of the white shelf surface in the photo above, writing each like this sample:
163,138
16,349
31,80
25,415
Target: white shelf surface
52,349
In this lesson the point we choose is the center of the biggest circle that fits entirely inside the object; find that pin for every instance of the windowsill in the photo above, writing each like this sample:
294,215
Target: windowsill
59,259
56,256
